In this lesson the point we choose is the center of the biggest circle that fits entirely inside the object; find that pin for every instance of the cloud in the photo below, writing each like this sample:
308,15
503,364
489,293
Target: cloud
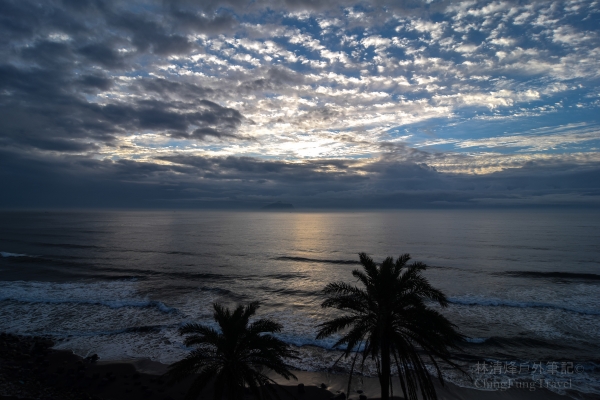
245,182
539,141
317,100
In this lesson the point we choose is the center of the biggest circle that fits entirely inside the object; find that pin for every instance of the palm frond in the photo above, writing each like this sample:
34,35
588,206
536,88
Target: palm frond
335,325
390,316
264,325
236,356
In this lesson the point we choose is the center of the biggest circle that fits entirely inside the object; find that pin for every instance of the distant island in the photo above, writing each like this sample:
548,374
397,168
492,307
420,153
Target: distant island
278,206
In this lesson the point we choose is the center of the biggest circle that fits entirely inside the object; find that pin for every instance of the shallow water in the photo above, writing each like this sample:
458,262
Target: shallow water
524,286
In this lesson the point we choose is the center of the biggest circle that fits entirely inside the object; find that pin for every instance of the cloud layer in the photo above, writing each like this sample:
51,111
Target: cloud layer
326,104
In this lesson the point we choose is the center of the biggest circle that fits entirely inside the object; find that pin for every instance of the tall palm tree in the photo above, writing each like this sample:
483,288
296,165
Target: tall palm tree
388,321
235,357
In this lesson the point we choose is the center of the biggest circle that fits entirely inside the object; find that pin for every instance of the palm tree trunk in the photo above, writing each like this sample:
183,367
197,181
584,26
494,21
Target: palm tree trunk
385,376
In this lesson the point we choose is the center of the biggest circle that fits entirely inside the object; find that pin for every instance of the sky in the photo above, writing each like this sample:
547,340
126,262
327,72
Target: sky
324,104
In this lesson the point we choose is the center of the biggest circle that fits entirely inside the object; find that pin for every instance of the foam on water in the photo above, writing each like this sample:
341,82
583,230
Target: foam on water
108,303
551,275
7,254
495,302
84,309
476,340
134,329
109,294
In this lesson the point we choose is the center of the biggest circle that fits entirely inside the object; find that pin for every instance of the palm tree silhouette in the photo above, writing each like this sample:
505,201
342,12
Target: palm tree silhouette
234,358
389,320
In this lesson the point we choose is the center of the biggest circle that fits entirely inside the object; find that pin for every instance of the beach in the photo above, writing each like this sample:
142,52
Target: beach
122,284
31,369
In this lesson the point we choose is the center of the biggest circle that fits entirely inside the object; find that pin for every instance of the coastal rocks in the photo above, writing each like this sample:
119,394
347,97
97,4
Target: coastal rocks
26,371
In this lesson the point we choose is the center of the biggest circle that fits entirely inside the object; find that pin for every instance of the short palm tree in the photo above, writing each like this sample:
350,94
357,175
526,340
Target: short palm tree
388,320
234,358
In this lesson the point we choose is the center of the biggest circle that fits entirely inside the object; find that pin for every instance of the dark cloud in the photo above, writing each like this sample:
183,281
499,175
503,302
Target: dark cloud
202,133
172,90
45,83
95,82
39,180
150,36
47,55
281,172
102,54
273,78
189,18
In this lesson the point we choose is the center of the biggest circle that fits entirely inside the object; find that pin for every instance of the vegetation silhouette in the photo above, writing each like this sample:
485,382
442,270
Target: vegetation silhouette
236,357
388,320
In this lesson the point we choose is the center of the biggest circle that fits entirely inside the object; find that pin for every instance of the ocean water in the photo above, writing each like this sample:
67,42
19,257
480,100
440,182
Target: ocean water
524,286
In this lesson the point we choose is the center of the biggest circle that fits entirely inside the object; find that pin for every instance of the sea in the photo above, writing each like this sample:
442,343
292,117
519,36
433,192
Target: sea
523,285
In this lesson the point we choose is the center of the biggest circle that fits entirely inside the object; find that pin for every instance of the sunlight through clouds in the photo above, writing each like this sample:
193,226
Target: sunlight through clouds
466,87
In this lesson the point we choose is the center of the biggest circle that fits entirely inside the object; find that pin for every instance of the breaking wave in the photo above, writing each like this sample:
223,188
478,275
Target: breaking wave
115,294
475,301
561,275
7,254
108,303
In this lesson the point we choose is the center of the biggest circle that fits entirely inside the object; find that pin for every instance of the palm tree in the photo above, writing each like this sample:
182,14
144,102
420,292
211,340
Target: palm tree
388,320
235,357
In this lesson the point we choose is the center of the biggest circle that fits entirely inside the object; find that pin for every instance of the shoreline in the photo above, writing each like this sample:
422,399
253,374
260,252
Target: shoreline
31,369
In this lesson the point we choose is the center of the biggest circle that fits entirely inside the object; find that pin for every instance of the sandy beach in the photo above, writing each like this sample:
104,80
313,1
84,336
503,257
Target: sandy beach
31,369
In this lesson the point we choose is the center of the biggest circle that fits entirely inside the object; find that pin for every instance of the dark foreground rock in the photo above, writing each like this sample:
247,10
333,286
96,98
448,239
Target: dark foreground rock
30,369
27,370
